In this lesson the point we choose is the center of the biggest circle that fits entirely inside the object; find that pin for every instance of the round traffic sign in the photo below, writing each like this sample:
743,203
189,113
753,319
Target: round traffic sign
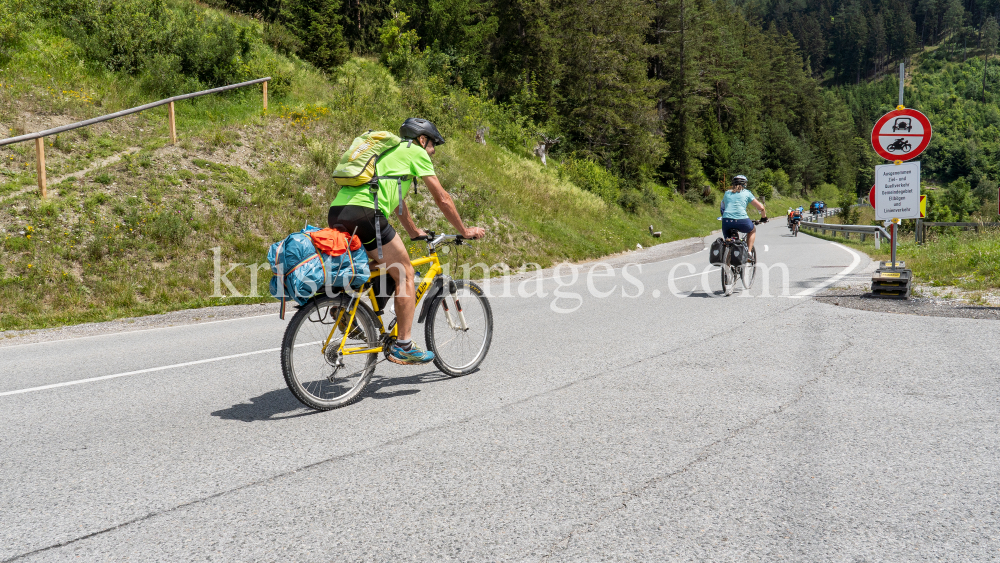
901,134
871,196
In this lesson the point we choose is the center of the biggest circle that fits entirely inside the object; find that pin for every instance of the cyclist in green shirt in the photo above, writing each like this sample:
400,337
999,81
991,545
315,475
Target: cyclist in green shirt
353,211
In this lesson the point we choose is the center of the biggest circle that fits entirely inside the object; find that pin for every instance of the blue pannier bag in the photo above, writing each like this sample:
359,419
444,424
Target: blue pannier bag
307,271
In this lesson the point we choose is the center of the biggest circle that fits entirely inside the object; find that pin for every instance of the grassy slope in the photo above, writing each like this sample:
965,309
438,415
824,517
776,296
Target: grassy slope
135,236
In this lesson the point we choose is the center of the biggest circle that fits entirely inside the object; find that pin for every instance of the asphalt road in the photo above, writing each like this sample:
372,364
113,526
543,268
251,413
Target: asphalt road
667,425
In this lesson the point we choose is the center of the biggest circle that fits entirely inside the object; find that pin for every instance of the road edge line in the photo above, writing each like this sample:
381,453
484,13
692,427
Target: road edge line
136,372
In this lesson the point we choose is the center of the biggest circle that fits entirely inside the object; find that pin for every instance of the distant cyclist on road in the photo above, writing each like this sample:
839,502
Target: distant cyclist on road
734,210
794,217
353,210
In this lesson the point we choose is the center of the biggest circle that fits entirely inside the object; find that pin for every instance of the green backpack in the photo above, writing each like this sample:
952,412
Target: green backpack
357,167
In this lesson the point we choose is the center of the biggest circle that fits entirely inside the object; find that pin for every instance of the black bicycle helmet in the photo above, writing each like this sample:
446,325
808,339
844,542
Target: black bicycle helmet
414,127
740,179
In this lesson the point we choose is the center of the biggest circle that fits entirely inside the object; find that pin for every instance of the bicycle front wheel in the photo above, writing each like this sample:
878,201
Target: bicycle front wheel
325,379
459,329
749,269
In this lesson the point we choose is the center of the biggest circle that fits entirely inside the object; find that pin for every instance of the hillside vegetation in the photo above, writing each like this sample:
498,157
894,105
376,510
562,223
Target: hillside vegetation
132,221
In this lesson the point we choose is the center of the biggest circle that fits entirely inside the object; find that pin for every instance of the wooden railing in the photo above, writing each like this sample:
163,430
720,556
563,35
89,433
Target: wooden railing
921,228
39,137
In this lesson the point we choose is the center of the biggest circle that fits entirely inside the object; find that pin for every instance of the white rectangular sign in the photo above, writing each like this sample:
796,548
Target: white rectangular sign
897,191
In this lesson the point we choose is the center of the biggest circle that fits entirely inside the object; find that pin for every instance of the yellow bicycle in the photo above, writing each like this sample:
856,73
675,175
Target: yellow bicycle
332,343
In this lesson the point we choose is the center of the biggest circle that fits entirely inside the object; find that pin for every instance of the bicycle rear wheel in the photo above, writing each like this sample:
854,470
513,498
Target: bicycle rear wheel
458,350
325,380
749,269
728,277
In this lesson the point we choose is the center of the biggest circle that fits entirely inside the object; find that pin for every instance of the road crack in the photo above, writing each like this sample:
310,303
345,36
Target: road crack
704,455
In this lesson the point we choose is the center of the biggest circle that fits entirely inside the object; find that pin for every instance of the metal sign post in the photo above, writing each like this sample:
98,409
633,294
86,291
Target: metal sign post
899,135
892,240
902,76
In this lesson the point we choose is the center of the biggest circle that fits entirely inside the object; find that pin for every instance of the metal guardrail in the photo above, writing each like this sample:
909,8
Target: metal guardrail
40,136
863,230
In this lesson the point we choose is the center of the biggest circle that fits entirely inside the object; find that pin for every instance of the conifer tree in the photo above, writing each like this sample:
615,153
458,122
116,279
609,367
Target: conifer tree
606,102
317,23
679,32
524,64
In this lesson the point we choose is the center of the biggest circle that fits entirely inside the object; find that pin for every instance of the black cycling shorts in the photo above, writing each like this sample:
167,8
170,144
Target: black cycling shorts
358,220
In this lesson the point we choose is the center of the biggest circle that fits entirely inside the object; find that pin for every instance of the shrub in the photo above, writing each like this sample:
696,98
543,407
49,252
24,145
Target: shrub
48,208
827,192
631,200
231,197
399,51
958,197
594,178
174,48
849,214
774,182
281,39
95,200
169,227
15,19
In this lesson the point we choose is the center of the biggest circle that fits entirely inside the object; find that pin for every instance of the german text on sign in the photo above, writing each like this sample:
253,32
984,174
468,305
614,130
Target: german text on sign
897,191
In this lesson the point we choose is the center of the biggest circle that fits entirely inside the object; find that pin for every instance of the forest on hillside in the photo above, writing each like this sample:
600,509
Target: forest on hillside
623,95
689,92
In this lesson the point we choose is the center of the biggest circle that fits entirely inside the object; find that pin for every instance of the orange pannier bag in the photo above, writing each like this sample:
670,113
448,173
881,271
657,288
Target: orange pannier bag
334,242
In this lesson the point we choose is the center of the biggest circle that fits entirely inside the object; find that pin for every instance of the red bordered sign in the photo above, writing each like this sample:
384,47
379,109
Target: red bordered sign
901,134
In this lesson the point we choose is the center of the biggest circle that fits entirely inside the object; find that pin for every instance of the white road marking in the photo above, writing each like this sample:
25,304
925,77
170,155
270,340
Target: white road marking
765,248
136,372
690,276
834,279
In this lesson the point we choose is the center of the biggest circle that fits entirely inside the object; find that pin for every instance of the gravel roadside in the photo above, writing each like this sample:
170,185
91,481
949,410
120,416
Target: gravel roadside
854,292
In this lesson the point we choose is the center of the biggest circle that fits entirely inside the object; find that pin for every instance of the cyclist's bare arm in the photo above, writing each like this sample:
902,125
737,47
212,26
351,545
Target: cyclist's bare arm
760,207
409,225
447,206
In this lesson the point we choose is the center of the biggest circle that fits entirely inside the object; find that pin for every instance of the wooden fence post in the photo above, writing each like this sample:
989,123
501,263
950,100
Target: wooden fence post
40,160
173,124
265,94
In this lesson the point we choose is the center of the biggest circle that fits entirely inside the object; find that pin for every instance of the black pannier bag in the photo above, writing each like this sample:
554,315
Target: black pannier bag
715,252
737,253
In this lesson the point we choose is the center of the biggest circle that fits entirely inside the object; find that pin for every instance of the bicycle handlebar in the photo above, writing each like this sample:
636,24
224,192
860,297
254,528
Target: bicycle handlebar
436,239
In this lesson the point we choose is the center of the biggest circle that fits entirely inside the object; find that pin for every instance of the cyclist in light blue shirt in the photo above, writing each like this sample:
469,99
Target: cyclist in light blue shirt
734,210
